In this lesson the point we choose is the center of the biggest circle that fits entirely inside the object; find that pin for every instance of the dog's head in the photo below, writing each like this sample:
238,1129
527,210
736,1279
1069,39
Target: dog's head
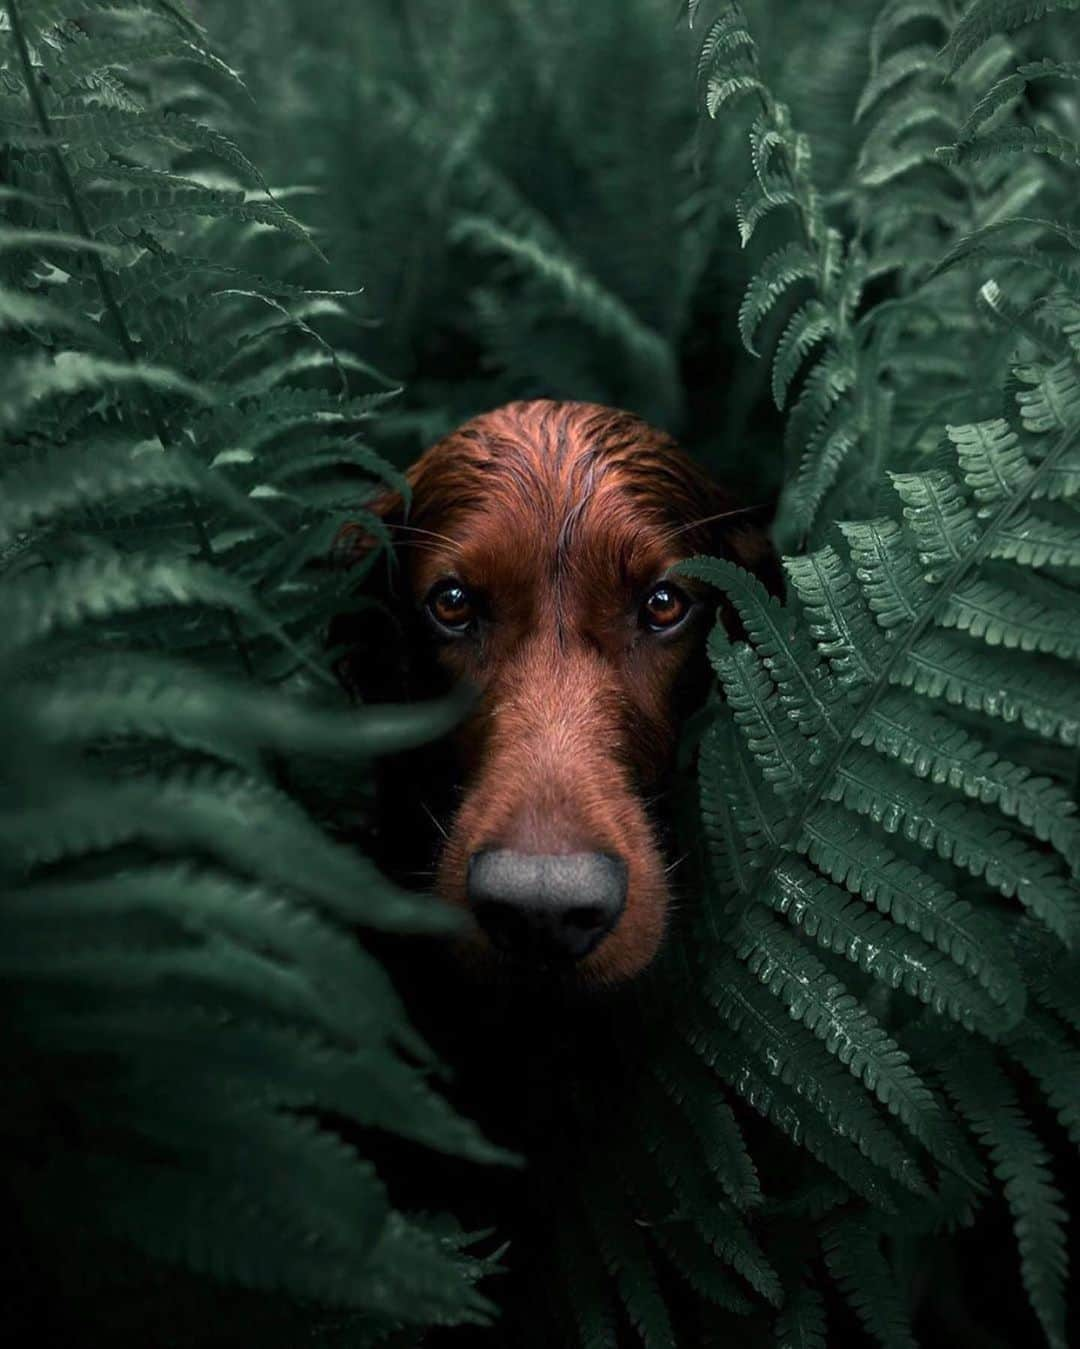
542,538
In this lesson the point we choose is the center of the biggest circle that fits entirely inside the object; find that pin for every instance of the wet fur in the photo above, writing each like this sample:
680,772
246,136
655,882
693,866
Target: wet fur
562,515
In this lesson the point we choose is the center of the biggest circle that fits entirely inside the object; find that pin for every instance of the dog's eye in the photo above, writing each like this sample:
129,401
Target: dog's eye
665,607
451,606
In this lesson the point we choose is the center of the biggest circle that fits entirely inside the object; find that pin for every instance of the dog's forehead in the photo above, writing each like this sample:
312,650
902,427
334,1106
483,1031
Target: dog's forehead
544,457
573,488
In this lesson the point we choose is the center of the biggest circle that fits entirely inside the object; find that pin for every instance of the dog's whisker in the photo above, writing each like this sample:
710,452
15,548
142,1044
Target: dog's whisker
711,519
431,533
435,820
677,863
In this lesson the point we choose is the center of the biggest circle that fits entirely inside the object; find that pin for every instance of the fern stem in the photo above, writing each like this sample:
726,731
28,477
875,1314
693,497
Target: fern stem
112,308
957,574
67,187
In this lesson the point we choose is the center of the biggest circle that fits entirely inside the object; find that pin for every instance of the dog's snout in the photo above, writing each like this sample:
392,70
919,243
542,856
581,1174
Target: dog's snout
544,906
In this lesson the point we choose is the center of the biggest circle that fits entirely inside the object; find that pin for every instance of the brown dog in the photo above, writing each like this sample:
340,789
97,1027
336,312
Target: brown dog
542,538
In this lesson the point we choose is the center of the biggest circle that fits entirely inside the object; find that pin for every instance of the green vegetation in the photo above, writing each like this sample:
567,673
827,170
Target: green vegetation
861,1042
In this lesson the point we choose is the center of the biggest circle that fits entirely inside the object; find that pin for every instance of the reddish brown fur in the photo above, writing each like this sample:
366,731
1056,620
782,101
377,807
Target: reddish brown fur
564,515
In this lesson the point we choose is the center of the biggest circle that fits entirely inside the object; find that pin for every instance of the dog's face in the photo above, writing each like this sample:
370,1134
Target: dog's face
542,541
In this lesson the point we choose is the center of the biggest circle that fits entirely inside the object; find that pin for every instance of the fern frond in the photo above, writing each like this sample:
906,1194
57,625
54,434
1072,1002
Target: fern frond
986,1099
840,846
935,748
806,691
847,1029
888,570
854,1259
893,71
1042,1047
781,270
1009,618
895,14
1004,686
631,1267
839,620
801,1324
789,1054
900,960
984,18
959,833
33,379
1011,140
809,325
782,754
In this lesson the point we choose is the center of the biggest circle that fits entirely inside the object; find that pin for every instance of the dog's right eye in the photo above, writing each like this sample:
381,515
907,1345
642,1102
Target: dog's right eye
451,606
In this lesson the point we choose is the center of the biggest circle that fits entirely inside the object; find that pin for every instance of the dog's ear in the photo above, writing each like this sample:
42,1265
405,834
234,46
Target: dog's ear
749,546
369,638
359,542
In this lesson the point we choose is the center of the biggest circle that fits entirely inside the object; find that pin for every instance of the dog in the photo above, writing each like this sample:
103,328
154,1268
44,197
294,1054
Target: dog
537,557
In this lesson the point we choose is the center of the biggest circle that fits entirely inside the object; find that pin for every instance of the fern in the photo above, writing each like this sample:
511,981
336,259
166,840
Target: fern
173,903
835,729
865,1017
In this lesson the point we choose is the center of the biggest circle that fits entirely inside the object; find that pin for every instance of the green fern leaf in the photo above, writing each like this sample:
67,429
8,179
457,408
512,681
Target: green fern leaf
991,460
899,959
806,691
16,238
1053,400
19,310
984,18
722,88
585,1282
782,754
687,1081
854,1259
827,449
985,1098
699,1266
809,325
960,833
935,748
66,481
894,70
801,1324
895,14
794,1058
1045,1051
146,696
251,828
836,843
738,821
1003,685
585,297
888,570
1034,541
847,1029
780,271
1011,140
33,379
939,517
95,54
1003,617
631,1267
839,619
762,194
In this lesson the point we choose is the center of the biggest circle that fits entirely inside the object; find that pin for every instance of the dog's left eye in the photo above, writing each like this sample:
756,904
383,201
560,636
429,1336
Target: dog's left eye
451,606
665,608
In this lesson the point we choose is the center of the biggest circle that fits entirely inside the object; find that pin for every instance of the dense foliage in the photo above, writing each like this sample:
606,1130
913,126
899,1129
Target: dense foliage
856,1066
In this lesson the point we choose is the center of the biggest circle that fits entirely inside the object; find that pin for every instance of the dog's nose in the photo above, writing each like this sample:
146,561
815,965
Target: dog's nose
546,905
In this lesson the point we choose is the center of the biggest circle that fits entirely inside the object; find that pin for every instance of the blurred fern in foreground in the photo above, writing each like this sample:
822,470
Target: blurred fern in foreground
184,989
